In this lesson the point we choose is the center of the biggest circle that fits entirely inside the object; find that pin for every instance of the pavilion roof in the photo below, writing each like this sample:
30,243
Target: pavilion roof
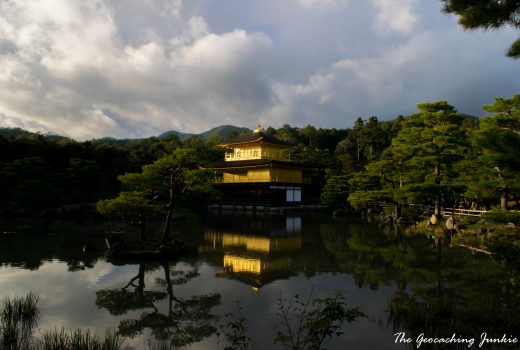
256,136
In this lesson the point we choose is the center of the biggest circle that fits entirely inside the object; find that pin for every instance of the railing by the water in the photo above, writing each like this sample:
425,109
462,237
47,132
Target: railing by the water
464,212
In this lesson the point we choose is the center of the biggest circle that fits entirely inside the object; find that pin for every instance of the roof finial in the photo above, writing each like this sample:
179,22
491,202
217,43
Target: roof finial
258,128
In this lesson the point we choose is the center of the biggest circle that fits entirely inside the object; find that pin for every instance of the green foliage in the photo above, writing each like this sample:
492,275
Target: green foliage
367,191
313,156
157,189
39,173
514,50
29,184
364,143
418,166
335,191
423,158
319,159
491,14
502,217
493,171
127,205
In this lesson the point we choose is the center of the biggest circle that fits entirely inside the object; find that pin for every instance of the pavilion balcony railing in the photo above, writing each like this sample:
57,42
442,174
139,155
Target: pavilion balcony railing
260,155
306,181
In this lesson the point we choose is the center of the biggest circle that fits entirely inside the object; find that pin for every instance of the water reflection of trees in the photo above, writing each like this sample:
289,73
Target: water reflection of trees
185,320
440,290
29,245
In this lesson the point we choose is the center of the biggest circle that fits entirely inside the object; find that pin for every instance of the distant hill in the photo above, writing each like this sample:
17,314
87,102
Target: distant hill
13,133
222,131
181,135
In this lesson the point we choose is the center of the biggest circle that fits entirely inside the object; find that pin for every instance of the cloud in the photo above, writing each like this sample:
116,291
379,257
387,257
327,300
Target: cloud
65,74
395,16
390,83
320,3
104,68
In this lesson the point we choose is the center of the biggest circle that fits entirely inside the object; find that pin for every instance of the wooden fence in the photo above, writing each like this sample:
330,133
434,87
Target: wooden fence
464,212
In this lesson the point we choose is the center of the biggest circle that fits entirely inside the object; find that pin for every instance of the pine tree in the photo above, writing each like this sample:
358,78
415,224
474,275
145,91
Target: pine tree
499,138
418,167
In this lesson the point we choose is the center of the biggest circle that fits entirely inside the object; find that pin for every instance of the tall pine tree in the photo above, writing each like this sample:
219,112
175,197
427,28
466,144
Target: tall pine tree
418,167
499,162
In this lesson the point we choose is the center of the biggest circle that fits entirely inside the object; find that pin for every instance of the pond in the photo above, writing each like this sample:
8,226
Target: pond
421,288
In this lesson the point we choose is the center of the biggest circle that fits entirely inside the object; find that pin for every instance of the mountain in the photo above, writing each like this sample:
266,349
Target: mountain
222,131
13,133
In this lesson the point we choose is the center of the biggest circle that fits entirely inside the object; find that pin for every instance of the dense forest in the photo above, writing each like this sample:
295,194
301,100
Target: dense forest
434,157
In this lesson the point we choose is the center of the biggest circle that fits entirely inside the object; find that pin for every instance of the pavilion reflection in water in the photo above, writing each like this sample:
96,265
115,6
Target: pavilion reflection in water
255,249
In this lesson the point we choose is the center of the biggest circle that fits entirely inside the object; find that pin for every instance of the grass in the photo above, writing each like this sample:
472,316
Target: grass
19,317
61,339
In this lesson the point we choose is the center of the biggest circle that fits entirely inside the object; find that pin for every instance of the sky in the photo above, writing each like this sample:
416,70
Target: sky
138,68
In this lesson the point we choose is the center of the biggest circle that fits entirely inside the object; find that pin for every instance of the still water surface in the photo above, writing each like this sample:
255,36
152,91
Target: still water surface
403,284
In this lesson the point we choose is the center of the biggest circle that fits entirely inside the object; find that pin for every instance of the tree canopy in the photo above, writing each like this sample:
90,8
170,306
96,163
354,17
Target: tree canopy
156,190
418,165
497,164
431,156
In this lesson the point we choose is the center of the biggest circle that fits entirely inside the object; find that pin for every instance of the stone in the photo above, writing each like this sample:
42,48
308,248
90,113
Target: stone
450,224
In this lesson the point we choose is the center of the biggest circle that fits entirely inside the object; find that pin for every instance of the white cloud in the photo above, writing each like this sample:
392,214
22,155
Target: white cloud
321,3
395,16
81,68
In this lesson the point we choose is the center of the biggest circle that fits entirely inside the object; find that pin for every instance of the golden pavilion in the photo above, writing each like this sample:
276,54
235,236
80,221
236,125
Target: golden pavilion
257,168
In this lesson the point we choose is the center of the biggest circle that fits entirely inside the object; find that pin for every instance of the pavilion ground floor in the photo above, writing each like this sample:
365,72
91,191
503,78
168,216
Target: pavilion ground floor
266,193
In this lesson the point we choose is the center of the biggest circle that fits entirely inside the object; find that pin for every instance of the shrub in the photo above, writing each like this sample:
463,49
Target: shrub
502,217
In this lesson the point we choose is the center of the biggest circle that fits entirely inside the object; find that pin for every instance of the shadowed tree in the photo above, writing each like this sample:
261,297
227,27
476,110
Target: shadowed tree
496,169
335,191
157,190
30,185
